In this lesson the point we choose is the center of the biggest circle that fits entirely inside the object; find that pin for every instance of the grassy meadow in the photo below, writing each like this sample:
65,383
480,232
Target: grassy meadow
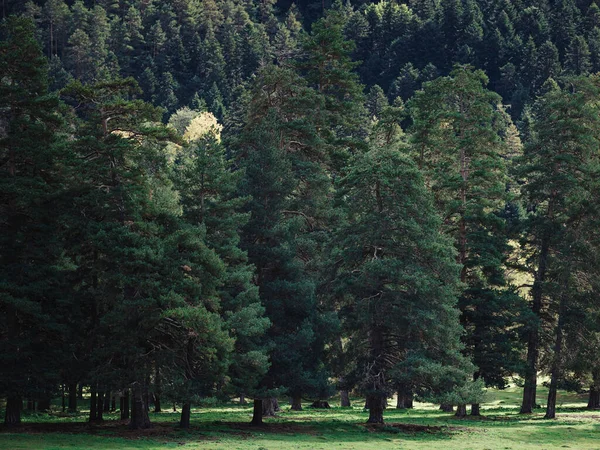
424,427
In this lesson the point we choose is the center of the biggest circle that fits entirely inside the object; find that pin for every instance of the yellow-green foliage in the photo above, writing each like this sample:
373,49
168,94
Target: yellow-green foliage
204,123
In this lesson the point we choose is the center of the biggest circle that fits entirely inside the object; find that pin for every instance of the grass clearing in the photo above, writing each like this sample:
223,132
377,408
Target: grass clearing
425,427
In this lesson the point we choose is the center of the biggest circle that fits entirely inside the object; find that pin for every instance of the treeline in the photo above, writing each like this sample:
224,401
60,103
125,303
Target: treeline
290,234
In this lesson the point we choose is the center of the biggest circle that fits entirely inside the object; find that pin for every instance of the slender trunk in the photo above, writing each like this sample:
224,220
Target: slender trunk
174,407
345,399
475,409
242,398
556,363
257,413
12,416
100,407
93,403
72,397
157,391
125,405
80,392
186,412
461,410
446,407
375,408
139,413
529,390
30,404
296,403
107,397
276,407
113,403
62,397
146,394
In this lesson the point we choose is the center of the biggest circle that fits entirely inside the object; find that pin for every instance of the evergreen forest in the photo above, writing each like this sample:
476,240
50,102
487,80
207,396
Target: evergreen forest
208,200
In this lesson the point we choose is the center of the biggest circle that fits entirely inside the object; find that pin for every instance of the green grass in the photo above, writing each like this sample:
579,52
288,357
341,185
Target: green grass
226,427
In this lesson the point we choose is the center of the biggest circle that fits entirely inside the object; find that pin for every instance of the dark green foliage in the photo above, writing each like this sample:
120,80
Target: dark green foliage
32,155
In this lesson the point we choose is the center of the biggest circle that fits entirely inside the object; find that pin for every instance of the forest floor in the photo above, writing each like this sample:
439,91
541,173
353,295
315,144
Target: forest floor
424,427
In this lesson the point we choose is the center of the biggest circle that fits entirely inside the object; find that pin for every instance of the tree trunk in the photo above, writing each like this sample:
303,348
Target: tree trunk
30,404
72,398
93,404
276,407
404,400
461,410
139,412
446,407
529,390
268,409
475,410
296,403
375,408
100,407
594,398
186,412
556,362
80,391
113,403
257,413
242,398
12,417
157,391
345,399
125,405
44,404
107,397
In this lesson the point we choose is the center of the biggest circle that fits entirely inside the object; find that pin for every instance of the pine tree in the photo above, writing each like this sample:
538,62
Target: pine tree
559,170
32,145
457,140
399,277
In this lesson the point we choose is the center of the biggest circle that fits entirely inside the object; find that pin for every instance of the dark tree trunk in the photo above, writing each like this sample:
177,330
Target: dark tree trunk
296,403
107,397
345,399
268,409
12,416
146,394
93,404
320,404
113,403
475,410
242,398
44,404
186,412
556,362
257,413
594,398
174,407
139,412
72,397
276,407
80,391
62,397
375,408
405,399
461,410
125,405
446,407
30,404
100,407
529,390
157,406
157,391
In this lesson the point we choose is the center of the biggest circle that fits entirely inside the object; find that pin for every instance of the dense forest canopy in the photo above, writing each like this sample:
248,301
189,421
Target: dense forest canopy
232,199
